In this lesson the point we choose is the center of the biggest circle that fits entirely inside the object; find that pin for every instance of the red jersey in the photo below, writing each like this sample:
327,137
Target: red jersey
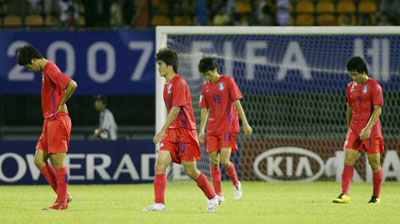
177,94
219,97
54,83
363,98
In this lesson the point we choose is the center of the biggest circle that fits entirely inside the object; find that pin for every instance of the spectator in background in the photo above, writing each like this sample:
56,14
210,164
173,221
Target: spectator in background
283,12
222,18
141,16
69,12
201,13
72,18
107,127
116,14
264,14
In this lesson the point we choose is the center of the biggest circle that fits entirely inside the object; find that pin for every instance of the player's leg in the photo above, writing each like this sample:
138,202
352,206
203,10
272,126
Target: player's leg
160,183
350,158
203,183
164,158
216,173
48,171
231,170
58,160
375,163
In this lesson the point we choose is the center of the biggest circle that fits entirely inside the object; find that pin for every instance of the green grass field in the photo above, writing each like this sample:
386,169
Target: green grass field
261,203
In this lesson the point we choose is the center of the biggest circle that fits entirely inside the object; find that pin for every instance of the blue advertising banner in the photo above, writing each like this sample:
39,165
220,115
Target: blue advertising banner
102,62
275,64
89,162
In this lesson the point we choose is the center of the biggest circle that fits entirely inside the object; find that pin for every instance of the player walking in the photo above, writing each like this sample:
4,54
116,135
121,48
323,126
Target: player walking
221,95
179,137
364,106
57,88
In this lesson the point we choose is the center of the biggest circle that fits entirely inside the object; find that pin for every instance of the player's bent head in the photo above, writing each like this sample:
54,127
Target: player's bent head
357,64
26,54
169,57
207,64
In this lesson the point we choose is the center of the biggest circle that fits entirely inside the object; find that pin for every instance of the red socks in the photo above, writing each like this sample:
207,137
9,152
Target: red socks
216,179
205,186
347,178
160,186
231,170
50,174
62,184
377,180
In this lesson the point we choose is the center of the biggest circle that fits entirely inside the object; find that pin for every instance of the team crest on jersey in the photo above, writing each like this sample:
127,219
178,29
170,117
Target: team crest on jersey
169,89
365,89
221,86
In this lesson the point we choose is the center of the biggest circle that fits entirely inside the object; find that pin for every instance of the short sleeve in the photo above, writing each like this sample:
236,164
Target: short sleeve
376,94
348,95
56,76
234,91
203,99
179,89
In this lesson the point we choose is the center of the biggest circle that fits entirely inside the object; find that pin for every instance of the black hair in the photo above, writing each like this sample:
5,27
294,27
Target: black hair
26,54
356,63
207,64
101,98
169,57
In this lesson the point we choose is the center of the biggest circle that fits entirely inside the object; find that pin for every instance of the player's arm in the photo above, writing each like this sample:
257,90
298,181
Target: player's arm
246,127
170,119
366,132
349,114
204,117
72,85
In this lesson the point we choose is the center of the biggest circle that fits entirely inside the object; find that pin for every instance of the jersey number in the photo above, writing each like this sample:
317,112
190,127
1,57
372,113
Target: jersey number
217,99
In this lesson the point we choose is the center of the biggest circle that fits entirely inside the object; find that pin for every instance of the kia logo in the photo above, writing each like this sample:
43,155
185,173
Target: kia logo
302,171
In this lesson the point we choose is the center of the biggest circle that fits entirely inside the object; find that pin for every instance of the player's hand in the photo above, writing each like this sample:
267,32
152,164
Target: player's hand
157,138
201,137
247,130
365,133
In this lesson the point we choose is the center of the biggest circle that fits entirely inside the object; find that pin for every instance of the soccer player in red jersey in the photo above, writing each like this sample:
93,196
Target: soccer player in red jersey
221,95
364,106
179,142
57,88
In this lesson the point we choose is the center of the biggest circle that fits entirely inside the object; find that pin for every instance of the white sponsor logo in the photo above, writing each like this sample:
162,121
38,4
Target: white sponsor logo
97,166
333,166
273,164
